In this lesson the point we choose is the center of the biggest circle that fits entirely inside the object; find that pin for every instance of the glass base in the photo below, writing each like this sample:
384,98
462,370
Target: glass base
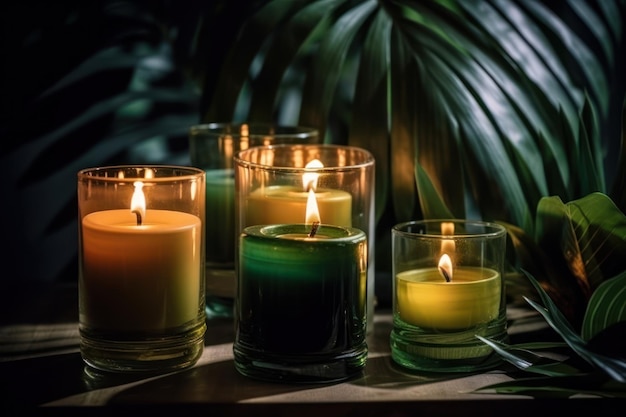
155,353
461,351
300,368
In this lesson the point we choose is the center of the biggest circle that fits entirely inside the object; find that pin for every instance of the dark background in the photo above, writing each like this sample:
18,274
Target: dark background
91,83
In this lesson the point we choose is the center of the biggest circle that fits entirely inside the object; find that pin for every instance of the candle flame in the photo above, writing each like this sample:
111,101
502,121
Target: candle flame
309,179
445,267
138,202
312,214
447,228
447,245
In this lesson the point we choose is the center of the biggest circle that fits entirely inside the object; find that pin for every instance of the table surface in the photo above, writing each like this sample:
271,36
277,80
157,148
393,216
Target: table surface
41,370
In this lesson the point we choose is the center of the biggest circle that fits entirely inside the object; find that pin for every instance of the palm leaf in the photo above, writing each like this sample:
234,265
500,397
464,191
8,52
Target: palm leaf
371,93
490,112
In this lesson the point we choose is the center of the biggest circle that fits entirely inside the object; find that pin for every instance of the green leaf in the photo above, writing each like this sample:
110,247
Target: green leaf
530,361
613,367
560,386
585,240
589,178
370,96
320,86
433,205
606,307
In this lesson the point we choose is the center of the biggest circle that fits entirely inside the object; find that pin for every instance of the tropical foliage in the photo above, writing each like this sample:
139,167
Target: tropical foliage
585,240
489,109
471,108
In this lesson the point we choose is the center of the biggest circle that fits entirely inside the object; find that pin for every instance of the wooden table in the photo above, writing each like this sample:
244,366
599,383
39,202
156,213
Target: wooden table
42,372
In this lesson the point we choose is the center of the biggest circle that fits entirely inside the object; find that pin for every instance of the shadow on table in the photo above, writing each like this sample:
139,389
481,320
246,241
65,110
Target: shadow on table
35,381
217,382
221,383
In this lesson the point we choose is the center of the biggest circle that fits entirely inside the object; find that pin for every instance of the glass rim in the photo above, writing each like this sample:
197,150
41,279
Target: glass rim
492,229
174,172
368,158
279,232
276,130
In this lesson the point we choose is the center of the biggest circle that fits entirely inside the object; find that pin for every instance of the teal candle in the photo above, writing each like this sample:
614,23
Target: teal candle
220,217
301,295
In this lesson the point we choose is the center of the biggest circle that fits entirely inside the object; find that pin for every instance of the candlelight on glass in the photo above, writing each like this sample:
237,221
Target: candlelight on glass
448,287
273,184
211,148
302,296
141,267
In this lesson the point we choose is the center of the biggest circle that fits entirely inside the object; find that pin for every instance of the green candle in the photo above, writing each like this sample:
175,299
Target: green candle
300,294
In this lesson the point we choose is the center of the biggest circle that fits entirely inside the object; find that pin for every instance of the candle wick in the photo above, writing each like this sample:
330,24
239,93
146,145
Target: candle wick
138,217
445,274
314,228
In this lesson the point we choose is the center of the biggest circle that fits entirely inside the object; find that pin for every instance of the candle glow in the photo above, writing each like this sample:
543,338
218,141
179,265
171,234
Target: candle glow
138,202
445,267
284,204
140,275
466,295
427,301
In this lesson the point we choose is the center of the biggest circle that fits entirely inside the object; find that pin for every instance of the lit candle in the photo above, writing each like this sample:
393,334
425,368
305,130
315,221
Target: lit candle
141,268
278,204
445,297
425,299
302,287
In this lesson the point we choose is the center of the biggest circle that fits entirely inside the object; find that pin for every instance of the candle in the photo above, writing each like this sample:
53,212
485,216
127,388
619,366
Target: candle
139,278
302,286
448,289
426,300
141,267
301,294
285,204
273,184
220,217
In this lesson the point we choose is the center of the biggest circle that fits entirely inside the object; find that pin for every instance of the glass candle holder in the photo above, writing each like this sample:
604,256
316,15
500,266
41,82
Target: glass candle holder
303,296
212,147
448,287
141,267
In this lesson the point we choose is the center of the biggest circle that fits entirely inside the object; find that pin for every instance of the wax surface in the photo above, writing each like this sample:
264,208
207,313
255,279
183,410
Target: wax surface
302,295
140,278
424,299
220,217
287,204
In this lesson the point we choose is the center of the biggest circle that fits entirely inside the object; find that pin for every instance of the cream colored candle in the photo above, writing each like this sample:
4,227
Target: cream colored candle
287,204
426,300
140,278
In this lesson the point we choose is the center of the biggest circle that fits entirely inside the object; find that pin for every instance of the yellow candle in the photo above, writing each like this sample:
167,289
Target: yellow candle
287,204
425,299
140,278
